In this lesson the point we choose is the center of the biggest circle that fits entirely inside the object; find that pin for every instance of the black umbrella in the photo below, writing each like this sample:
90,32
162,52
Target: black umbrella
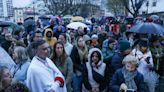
29,25
147,28
5,24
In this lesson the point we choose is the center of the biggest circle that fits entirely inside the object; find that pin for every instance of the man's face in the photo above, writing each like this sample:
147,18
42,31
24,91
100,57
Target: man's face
38,36
8,36
43,51
62,39
49,34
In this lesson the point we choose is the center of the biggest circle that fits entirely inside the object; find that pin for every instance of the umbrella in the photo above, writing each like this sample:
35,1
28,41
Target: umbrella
154,17
67,17
77,18
75,25
6,24
150,28
29,25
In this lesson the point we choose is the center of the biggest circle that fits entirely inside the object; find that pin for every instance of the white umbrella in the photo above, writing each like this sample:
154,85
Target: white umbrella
76,25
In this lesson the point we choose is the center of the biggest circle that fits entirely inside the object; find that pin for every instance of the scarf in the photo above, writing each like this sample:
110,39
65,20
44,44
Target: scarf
129,78
82,54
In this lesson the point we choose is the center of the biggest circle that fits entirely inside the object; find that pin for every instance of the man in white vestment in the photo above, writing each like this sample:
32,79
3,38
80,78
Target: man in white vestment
43,75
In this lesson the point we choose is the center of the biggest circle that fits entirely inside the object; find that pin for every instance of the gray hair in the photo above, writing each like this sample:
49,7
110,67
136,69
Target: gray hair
130,58
22,54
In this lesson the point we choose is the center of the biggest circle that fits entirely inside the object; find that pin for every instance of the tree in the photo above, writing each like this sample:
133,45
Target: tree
115,6
132,6
73,7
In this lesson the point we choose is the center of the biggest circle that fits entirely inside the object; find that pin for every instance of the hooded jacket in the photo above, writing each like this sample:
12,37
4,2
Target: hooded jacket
95,75
50,40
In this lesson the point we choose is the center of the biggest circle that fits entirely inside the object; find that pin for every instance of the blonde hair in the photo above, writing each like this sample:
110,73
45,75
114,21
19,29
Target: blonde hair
22,54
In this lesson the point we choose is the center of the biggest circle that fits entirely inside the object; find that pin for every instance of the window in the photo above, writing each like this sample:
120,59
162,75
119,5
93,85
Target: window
154,3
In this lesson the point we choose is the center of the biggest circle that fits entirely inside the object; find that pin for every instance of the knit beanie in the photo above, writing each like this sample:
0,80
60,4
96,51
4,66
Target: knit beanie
124,45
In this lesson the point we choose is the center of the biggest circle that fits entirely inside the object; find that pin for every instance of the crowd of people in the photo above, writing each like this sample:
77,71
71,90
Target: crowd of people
58,59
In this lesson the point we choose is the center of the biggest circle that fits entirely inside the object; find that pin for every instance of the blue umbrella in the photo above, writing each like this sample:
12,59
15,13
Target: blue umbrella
147,28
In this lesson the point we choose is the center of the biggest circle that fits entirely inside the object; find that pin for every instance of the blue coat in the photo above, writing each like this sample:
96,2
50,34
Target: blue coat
116,62
118,79
19,71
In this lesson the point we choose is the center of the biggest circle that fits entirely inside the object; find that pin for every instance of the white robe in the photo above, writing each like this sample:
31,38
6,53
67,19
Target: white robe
40,78
5,59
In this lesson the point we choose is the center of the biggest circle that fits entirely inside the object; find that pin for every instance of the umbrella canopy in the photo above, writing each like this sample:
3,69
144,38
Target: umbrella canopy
67,17
150,28
154,17
75,25
6,24
29,25
77,18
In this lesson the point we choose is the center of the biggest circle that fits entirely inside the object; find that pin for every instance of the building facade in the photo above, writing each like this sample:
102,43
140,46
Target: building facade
18,15
152,6
6,9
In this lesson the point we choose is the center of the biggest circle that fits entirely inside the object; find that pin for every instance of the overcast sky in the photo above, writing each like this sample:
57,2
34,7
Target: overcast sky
21,3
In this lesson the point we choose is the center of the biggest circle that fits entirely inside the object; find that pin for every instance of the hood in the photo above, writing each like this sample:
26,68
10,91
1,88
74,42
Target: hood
93,50
46,31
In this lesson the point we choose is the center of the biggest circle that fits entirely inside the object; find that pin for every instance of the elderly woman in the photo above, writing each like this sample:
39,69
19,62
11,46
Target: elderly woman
128,78
22,61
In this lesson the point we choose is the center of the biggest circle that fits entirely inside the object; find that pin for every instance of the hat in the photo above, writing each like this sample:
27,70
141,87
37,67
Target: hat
124,45
86,38
94,36
130,58
143,42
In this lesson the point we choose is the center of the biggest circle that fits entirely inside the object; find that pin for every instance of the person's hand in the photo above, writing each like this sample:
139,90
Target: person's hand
97,90
93,90
60,80
123,87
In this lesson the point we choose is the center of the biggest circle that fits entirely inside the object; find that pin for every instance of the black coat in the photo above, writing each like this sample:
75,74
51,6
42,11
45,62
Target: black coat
77,63
102,80
118,79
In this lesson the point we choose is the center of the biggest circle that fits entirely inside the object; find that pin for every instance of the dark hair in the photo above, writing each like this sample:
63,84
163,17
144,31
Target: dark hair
36,44
63,57
111,41
64,34
49,32
20,43
17,87
33,34
2,68
98,53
